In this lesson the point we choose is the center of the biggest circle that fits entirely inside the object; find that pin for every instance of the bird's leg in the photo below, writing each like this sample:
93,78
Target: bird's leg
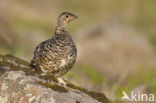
61,81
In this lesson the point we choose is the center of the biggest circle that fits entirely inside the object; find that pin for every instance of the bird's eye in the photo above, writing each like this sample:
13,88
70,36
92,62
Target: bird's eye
67,16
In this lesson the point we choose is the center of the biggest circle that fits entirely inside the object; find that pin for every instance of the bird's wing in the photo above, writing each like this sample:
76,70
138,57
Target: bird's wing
39,48
38,54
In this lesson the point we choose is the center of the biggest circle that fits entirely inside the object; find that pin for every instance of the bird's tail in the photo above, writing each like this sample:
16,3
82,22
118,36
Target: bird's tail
32,65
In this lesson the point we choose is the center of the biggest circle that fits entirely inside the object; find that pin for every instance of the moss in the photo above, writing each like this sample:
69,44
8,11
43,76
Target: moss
9,60
55,87
17,60
11,65
17,64
48,77
98,96
13,59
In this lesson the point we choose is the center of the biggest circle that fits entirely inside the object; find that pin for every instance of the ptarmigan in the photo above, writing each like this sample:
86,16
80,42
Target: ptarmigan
56,55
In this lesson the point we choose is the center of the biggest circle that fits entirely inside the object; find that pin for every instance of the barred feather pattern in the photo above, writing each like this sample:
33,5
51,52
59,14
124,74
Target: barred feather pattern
55,56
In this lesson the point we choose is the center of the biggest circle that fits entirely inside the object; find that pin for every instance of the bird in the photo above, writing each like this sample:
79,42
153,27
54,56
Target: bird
57,55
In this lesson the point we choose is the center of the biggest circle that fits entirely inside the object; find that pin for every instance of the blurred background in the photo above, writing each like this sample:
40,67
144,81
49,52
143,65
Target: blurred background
116,40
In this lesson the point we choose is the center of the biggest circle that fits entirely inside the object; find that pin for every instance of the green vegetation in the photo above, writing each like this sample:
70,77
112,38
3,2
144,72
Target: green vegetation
140,76
48,78
55,87
14,63
31,24
98,96
92,74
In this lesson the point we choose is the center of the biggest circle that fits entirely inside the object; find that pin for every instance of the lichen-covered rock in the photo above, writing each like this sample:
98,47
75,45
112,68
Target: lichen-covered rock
18,85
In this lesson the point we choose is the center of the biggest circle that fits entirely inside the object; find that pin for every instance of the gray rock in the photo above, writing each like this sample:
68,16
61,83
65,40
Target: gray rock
16,86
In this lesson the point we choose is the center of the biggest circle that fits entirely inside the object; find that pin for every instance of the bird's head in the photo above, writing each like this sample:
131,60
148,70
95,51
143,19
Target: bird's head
64,18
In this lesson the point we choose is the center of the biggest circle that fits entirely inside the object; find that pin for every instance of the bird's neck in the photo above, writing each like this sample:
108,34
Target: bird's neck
60,29
61,33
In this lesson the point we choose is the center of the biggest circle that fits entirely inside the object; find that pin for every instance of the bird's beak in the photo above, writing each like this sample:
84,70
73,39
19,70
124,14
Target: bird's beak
76,17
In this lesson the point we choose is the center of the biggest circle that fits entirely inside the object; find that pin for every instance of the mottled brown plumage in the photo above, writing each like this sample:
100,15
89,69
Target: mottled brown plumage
56,55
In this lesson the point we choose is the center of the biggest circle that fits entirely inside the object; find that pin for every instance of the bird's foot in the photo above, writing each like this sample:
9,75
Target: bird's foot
61,81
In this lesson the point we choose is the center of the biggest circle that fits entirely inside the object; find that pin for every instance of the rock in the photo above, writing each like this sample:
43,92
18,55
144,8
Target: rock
19,84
